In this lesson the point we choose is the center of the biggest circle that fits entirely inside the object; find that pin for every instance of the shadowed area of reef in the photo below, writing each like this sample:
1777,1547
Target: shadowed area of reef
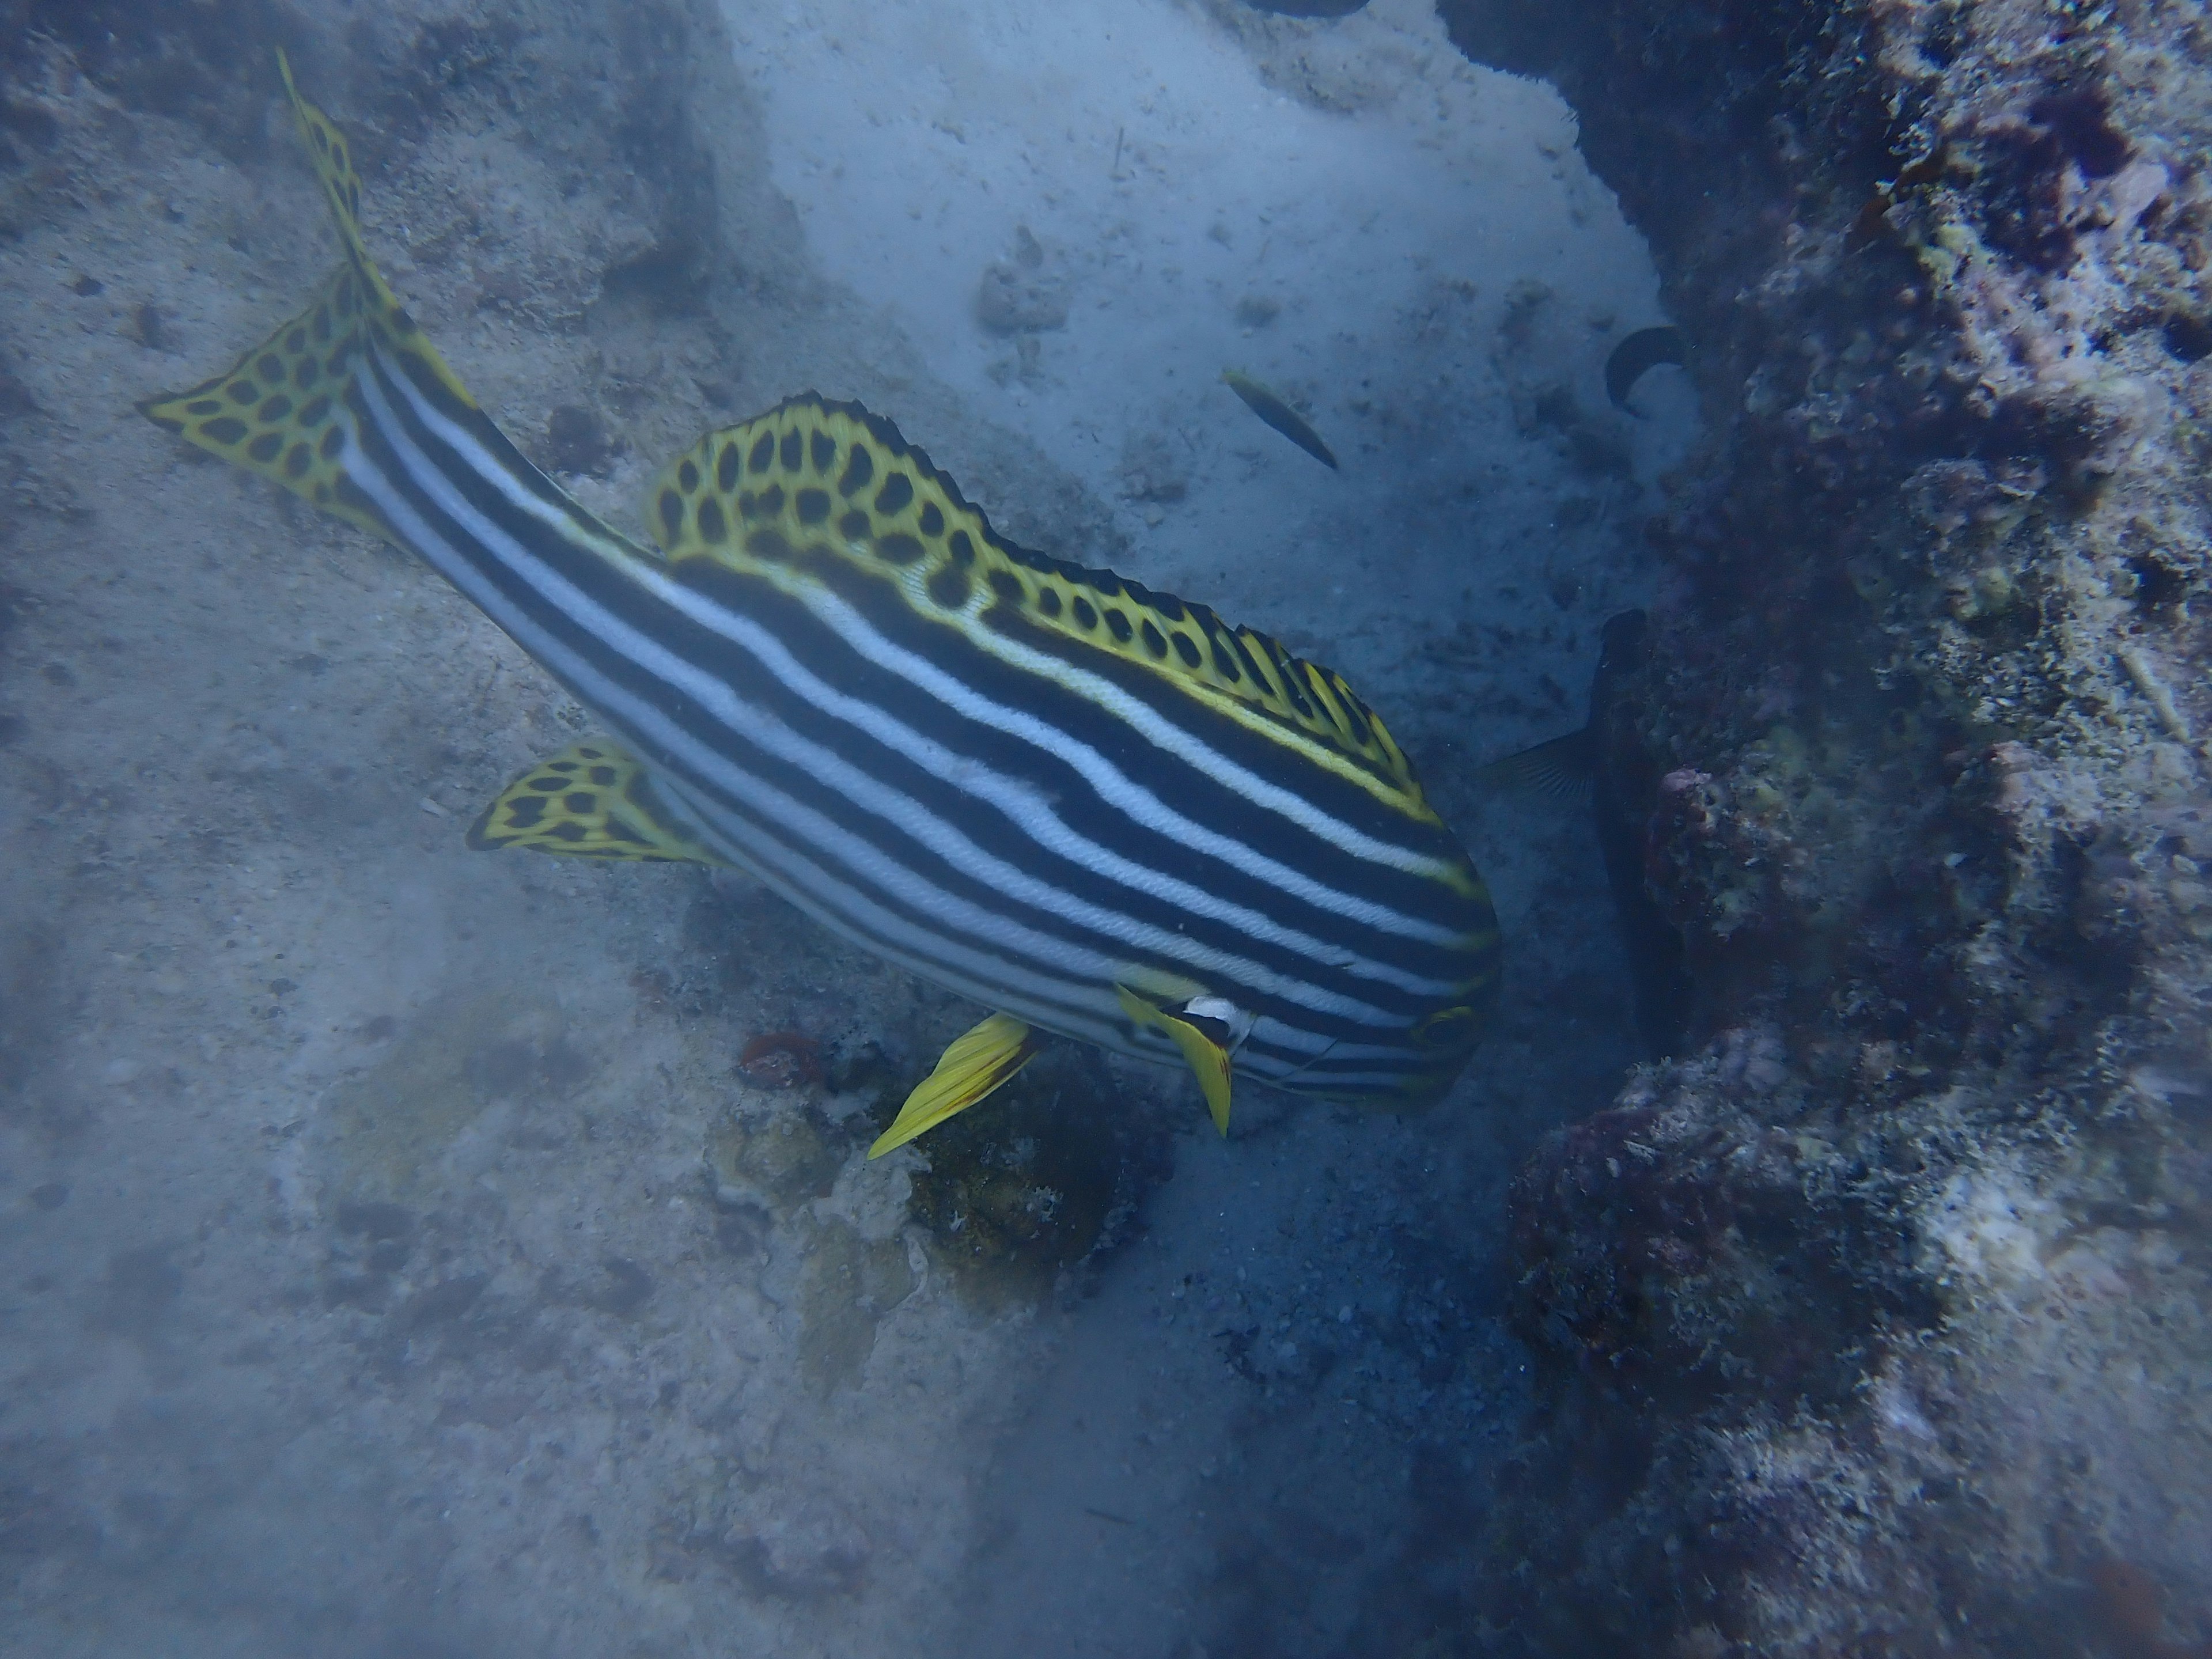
1880,1324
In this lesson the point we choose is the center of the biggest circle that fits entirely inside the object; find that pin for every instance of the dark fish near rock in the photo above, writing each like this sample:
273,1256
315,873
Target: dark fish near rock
1604,765
1278,415
1646,348
1307,8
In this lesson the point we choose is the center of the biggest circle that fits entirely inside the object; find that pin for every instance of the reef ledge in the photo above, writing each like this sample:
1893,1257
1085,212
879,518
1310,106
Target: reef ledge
1879,1323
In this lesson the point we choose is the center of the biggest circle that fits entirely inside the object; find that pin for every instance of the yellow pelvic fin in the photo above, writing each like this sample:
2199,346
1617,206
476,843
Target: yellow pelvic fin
979,1059
1205,1042
593,800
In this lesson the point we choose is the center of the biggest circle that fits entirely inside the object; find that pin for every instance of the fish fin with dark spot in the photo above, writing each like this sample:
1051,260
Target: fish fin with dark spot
1204,1043
278,410
396,331
1560,769
813,480
979,1060
282,411
593,800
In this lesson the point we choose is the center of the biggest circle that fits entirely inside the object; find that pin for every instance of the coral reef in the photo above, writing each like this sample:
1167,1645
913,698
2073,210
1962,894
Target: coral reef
1880,1325
1055,1174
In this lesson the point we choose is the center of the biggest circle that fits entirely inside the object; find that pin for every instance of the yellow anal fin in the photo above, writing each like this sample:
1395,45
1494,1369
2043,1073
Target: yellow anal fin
981,1059
276,412
593,800
1205,1042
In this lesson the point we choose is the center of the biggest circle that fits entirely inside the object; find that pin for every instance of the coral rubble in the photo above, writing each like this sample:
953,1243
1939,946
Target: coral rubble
1881,1325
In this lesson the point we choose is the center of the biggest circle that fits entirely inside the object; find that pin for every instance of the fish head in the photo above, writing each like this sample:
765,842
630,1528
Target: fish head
1416,1064
1439,1045
1413,1063
1442,1036
1413,1072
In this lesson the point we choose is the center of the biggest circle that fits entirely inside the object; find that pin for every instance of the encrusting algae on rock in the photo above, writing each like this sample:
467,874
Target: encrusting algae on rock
1885,1313
1099,810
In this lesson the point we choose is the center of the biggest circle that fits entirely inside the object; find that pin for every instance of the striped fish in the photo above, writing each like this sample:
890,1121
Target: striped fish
1097,810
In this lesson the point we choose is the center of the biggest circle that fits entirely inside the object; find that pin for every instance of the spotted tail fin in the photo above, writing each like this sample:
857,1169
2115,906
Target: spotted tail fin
280,411
332,160
333,164
276,411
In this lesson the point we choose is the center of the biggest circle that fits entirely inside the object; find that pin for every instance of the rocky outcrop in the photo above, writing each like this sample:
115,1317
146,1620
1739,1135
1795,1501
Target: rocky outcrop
1880,1325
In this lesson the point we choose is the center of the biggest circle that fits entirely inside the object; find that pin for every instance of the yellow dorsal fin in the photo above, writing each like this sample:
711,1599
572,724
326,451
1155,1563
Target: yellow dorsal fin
278,410
980,1059
814,475
1205,1042
593,800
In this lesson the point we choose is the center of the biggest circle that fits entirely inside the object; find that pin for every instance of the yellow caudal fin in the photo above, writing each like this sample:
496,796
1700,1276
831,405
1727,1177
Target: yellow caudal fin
282,411
979,1059
591,800
1206,1039
277,410
333,165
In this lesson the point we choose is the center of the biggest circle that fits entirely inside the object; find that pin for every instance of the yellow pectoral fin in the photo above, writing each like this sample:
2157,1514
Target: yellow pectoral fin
593,800
979,1059
1205,1044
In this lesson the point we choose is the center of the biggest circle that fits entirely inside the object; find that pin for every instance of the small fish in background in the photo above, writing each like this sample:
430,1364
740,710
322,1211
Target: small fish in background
1645,349
1278,415
1099,811
1603,767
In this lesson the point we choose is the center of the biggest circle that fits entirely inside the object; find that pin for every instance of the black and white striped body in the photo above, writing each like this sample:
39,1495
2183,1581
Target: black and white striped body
1095,808
1002,812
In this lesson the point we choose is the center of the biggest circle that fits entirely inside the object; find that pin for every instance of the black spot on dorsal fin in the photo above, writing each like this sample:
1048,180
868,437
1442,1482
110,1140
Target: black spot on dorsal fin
837,478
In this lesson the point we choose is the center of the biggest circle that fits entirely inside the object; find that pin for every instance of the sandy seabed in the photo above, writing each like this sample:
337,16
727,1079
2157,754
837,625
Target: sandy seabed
393,1258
